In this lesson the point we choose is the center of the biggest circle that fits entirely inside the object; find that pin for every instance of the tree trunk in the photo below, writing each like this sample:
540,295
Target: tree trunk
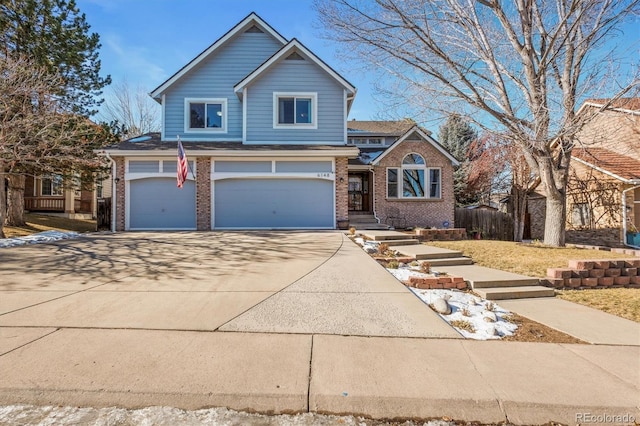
15,211
3,199
519,203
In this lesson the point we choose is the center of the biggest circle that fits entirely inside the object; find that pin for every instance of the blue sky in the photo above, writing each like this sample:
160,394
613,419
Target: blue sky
145,42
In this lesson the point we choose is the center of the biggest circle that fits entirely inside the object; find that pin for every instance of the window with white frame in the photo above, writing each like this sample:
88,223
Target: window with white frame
414,179
295,110
52,186
205,115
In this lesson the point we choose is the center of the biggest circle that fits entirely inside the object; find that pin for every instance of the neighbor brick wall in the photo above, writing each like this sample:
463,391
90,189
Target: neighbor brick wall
424,213
203,193
119,204
342,189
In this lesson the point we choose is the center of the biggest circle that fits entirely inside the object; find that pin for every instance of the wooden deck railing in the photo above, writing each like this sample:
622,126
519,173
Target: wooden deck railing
49,204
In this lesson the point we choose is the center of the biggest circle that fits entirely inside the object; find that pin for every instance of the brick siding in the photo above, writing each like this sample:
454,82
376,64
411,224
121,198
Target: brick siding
342,189
120,196
424,213
203,193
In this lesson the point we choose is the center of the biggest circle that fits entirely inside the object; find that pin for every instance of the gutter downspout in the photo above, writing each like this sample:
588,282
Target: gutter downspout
373,196
113,191
624,215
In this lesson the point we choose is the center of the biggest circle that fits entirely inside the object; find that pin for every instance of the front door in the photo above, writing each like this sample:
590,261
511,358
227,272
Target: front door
359,192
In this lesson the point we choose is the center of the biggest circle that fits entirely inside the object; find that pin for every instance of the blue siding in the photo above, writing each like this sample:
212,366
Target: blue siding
214,78
296,76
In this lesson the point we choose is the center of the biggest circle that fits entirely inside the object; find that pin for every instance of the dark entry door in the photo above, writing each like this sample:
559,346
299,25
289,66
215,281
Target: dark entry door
359,192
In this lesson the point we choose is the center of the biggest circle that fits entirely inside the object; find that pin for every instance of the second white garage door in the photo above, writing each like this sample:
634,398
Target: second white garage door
273,203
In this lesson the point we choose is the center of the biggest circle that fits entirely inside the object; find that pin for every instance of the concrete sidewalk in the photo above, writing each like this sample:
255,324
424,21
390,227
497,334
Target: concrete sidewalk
276,323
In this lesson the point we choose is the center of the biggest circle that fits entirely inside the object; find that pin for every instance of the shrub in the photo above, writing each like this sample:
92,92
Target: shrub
352,231
463,325
425,267
383,248
393,264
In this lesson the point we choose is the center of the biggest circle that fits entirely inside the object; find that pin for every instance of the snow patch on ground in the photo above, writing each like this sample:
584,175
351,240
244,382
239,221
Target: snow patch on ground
472,309
33,415
40,237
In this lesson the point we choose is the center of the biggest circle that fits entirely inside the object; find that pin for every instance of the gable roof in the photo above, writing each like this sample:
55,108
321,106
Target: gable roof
424,136
294,46
389,128
618,166
251,20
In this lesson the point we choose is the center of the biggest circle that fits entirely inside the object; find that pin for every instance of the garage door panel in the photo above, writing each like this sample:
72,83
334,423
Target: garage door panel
157,203
273,203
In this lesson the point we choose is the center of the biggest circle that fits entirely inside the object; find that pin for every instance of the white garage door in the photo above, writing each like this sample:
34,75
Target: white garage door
273,203
157,203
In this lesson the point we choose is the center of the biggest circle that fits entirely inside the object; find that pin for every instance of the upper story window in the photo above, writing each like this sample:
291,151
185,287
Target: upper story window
414,179
364,141
295,110
205,115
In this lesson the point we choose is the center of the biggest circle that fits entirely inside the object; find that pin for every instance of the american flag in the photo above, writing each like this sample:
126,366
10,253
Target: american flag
182,165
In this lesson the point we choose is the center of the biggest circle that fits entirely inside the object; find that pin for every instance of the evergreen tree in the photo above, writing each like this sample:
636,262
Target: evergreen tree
456,135
56,36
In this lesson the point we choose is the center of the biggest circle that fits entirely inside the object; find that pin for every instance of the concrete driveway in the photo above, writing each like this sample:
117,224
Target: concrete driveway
284,282
275,322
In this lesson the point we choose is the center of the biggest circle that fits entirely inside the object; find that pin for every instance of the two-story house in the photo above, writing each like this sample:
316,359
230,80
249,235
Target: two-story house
263,122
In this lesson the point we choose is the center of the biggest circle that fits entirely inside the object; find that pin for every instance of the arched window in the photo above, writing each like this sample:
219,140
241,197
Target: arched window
413,179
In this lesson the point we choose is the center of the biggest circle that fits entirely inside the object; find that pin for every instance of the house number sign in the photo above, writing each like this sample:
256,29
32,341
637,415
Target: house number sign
324,175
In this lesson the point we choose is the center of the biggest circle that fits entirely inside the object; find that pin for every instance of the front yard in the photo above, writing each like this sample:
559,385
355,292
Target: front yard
39,223
533,260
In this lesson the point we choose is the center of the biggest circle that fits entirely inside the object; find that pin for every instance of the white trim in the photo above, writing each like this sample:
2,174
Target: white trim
294,125
206,101
244,114
424,136
335,204
246,23
294,44
609,108
342,152
163,107
601,170
345,115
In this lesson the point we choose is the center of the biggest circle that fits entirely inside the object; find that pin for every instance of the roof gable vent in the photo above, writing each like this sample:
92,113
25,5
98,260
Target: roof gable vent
254,29
295,56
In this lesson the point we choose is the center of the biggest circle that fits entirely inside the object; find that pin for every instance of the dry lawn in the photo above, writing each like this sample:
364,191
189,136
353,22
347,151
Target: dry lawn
526,259
38,223
533,260
623,302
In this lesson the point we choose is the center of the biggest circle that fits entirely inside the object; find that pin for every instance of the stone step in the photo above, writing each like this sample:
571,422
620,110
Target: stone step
450,261
523,292
362,219
424,252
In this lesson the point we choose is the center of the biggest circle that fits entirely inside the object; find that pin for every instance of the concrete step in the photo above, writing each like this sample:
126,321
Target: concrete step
423,252
386,236
363,219
482,277
394,243
369,226
523,292
450,261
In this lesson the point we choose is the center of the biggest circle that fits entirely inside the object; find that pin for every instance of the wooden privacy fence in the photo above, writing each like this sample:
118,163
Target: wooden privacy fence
491,224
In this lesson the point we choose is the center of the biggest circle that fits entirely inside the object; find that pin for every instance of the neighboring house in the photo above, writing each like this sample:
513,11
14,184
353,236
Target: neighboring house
48,194
402,177
603,191
263,122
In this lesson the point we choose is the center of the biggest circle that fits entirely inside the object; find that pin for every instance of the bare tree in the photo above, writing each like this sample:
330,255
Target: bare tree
519,67
131,109
37,136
